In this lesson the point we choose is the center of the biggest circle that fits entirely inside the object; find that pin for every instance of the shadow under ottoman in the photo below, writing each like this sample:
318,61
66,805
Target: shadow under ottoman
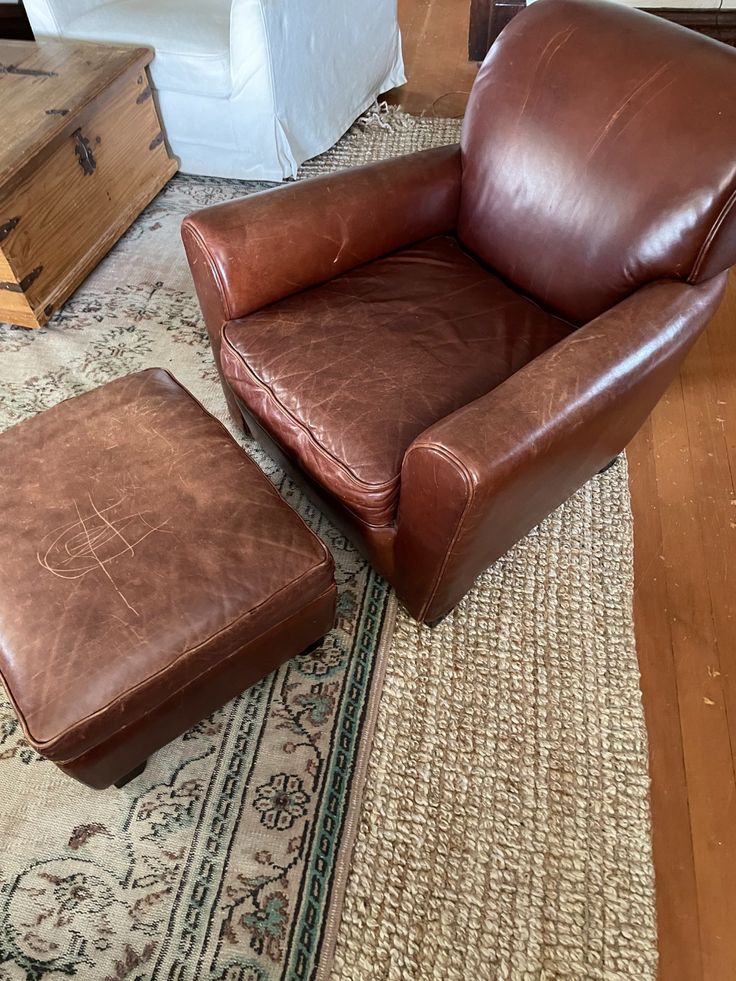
149,572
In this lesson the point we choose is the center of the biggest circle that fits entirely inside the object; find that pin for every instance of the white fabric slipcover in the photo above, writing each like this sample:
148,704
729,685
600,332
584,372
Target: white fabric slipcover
247,88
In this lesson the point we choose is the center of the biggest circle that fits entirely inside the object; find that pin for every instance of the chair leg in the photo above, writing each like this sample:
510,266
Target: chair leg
435,623
132,775
608,465
242,415
313,647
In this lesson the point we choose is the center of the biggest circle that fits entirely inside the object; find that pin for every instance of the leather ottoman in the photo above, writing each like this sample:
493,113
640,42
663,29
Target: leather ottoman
149,572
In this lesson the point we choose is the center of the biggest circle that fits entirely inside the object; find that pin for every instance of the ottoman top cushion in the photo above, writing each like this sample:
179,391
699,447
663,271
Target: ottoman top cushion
139,545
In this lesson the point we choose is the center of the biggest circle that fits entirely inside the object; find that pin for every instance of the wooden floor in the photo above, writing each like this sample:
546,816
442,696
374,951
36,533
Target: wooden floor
683,490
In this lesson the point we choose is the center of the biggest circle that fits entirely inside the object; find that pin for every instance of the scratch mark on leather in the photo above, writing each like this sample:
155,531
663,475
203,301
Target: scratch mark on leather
129,626
110,525
645,83
344,239
545,58
178,460
93,554
93,541
154,432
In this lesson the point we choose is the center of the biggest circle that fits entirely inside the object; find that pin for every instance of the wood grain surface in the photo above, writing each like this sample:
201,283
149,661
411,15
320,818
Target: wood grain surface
83,154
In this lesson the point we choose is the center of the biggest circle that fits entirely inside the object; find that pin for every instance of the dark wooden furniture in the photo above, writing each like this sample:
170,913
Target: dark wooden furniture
489,17
14,25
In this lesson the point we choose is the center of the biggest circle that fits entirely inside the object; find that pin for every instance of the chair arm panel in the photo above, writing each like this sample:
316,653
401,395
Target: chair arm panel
248,253
477,481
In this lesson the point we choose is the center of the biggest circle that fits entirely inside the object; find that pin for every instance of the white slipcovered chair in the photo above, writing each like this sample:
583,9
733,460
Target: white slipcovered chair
247,88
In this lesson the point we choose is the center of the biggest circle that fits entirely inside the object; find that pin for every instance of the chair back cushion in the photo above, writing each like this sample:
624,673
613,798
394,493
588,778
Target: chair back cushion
599,153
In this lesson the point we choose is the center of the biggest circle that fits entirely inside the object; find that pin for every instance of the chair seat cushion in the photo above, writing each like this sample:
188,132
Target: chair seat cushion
345,376
191,39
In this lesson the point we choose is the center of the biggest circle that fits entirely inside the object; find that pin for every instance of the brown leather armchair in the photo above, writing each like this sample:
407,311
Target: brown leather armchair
446,345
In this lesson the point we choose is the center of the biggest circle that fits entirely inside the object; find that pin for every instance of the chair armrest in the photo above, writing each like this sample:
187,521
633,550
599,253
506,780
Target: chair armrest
477,481
248,253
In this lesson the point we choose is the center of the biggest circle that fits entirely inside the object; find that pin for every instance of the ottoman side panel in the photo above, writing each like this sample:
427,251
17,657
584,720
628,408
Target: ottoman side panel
228,677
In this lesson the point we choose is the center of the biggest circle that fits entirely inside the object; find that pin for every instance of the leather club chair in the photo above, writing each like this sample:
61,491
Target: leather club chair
446,345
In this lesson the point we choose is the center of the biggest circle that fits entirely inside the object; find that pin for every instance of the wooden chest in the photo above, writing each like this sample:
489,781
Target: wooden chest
81,155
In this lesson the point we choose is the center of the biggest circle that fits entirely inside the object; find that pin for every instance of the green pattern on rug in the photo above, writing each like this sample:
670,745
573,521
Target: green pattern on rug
218,861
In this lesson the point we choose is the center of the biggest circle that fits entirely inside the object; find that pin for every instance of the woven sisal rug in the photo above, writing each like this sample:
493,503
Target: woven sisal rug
504,828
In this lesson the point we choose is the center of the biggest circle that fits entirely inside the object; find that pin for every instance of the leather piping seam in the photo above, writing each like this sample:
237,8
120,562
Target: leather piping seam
710,238
198,239
391,525
470,487
189,652
227,657
393,482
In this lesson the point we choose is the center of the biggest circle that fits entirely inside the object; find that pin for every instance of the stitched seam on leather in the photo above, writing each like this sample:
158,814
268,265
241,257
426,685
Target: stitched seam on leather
214,270
267,388
710,238
189,652
470,485
226,657
346,507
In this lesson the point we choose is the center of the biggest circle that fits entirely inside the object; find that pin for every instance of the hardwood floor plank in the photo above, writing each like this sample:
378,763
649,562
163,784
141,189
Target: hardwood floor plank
707,417
677,907
703,718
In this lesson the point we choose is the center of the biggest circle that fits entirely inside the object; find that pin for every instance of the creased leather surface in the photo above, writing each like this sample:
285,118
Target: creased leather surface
204,692
245,254
376,542
346,375
139,548
480,479
598,153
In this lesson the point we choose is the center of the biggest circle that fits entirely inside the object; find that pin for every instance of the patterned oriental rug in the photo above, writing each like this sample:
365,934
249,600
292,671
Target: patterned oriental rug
498,828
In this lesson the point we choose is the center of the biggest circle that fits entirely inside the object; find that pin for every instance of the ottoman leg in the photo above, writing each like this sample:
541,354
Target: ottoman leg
132,775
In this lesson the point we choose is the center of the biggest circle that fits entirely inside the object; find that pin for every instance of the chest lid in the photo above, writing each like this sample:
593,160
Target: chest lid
44,86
